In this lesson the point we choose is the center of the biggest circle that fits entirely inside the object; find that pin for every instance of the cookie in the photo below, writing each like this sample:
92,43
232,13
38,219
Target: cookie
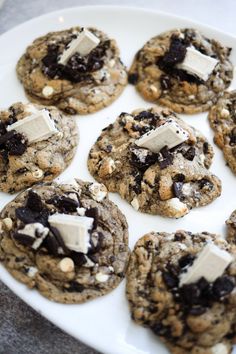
159,71
24,161
69,265
222,118
170,182
193,318
231,228
84,84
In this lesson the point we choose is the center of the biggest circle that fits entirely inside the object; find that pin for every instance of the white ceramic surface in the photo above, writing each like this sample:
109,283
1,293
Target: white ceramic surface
105,323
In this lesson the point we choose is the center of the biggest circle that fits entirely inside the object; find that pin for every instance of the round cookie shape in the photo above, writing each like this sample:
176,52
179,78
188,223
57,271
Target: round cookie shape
156,74
84,84
191,318
22,162
231,228
47,262
222,118
168,183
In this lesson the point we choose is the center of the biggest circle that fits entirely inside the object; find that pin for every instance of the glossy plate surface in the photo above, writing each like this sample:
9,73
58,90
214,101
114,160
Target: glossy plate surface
105,323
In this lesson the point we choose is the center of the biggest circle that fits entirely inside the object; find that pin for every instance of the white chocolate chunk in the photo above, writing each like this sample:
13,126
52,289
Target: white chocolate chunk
81,211
37,231
101,277
198,64
7,223
32,271
210,263
74,230
135,204
98,191
38,126
47,91
66,265
83,44
220,348
168,134
178,207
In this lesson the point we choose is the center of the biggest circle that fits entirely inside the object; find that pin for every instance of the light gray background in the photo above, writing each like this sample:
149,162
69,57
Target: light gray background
22,330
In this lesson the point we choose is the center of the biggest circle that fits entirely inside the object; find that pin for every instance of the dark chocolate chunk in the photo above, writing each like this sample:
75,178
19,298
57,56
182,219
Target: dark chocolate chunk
138,177
78,258
180,177
190,153
34,201
23,239
25,215
74,286
64,204
233,137
177,189
4,138
186,260
170,280
205,147
161,330
3,129
133,78
197,310
165,82
93,213
222,286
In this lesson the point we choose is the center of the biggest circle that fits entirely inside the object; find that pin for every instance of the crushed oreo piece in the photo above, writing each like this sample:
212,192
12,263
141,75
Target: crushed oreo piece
64,204
233,137
186,260
205,147
54,243
133,78
161,330
74,286
165,82
146,115
142,158
78,258
170,279
222,286
138,177
174,55
93,213
34,202
205,183
165,158
95,247
179,177
23,239
190,153
177,189
16,145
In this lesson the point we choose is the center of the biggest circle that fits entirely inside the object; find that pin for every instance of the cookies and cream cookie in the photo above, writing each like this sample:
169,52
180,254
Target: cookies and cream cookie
69,241
182,286
78,70
182,69
155,161
231,228
222,117
37,143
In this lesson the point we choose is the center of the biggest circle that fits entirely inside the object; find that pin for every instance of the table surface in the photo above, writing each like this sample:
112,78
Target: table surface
22,330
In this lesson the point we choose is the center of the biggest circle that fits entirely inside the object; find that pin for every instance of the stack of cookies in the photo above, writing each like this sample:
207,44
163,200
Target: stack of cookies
68,240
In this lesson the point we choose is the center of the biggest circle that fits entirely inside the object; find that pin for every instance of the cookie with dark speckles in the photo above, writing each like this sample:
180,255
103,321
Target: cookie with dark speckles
185,318
170,182
222,119
231,228
157,78
84,85
48,265
24,163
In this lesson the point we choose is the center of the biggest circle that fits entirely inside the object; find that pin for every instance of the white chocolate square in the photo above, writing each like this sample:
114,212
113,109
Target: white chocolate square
198,64
83,44
74,230
169,134
210,263
36,127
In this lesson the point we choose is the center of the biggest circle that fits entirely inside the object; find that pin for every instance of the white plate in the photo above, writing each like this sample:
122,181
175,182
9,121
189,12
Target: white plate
105,323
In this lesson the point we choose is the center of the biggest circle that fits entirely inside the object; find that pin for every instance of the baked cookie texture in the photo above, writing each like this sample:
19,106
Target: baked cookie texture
168,183
222,118
21,163
197,318
84,85
231,228
55,271
157,78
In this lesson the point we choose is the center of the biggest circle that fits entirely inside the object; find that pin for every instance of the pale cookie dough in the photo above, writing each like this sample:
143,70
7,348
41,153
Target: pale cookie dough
231,228
84,84
48,265
157,78
222,119
22,163
197,318
168,183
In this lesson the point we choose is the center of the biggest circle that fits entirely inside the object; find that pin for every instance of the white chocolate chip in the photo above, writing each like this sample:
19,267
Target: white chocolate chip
101,277
66,265
178,207
187,189
202,158
81,211
191,97
60,135
135,203
153,88
7,223
38,174
98,191
47,91
112,63
224,113
219,348
31,271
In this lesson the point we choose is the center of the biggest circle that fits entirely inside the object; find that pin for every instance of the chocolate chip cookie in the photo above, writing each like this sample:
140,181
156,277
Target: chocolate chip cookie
170,182
55,260
222,117
182,69
84,84
24,162
231,228
194,318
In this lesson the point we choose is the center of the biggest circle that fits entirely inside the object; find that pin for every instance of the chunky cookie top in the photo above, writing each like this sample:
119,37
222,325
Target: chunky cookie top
155,161
182,69
183,302
68,240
